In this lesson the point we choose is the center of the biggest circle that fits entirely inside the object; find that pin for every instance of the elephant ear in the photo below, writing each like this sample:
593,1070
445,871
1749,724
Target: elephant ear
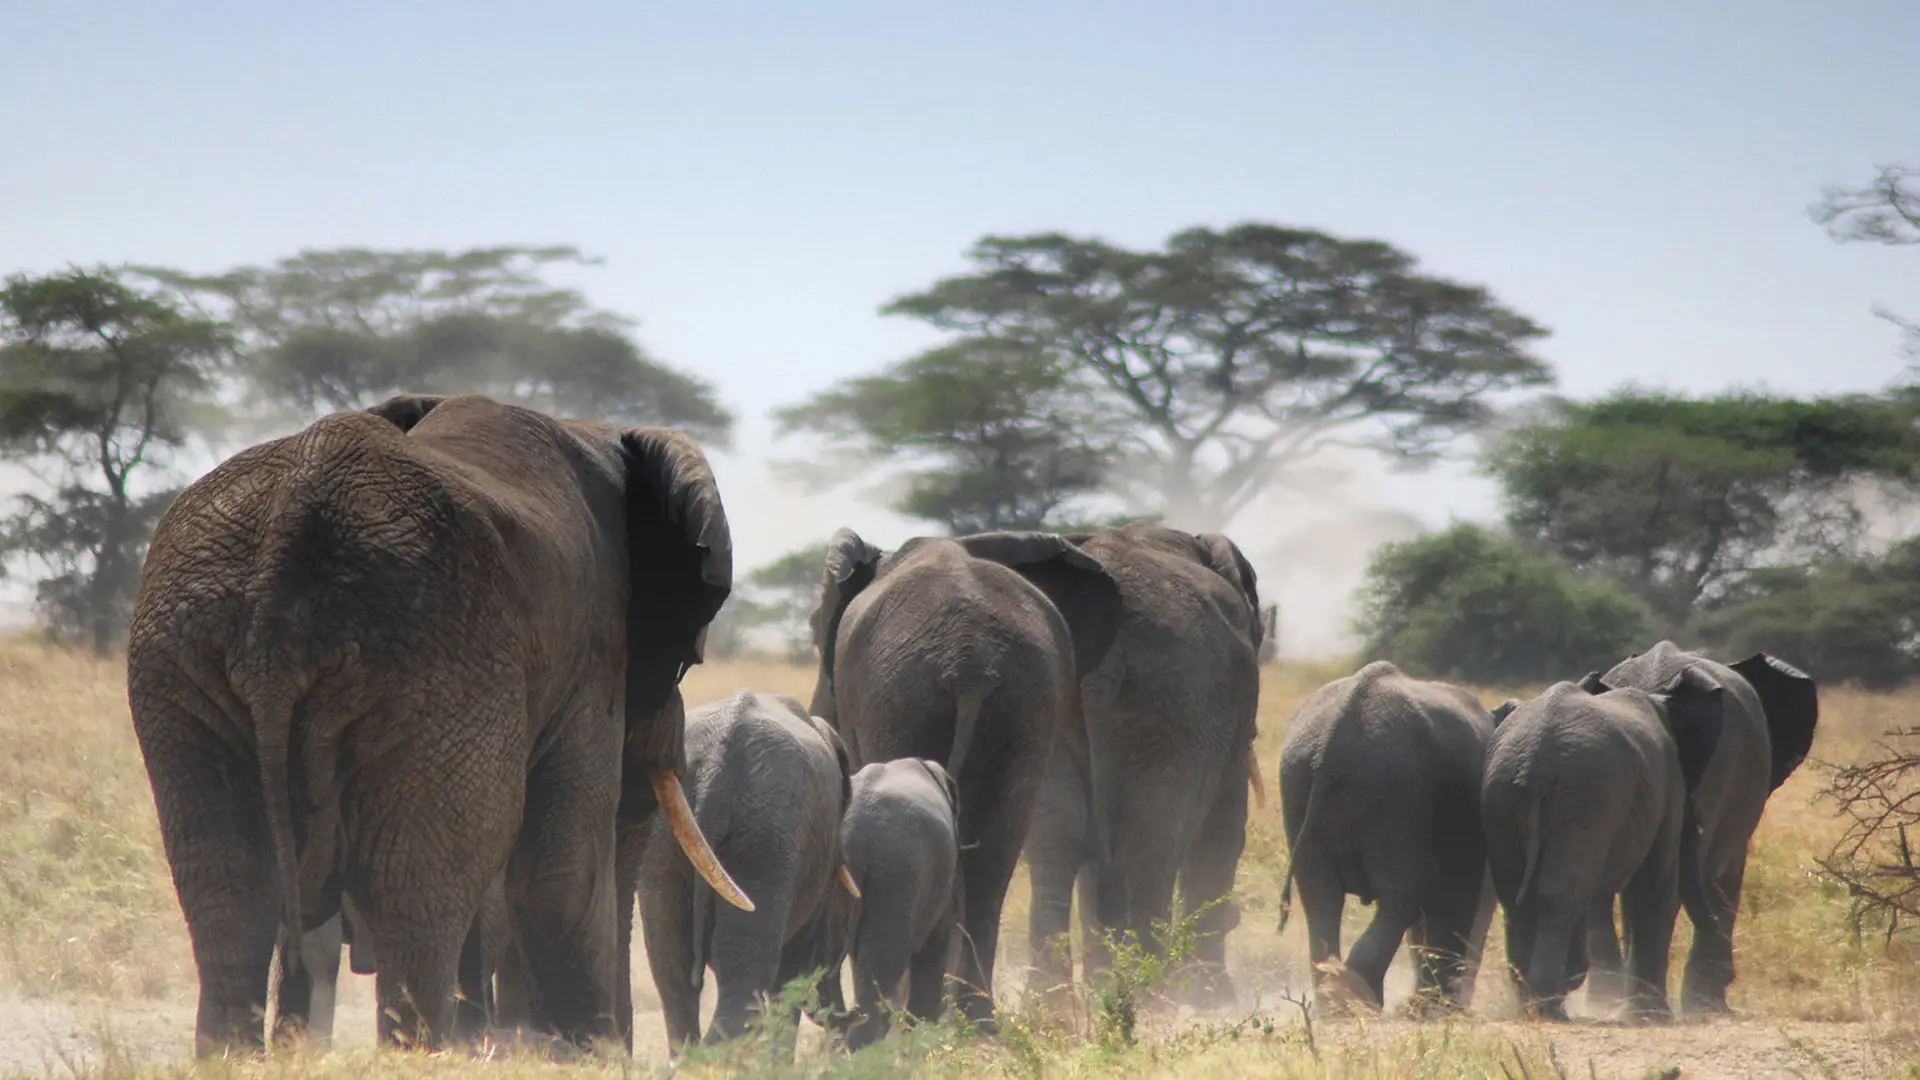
1504,710
406,410
1077,583
944,780
849,568
1593,684
680,558
1791,701
1226,559
1694,707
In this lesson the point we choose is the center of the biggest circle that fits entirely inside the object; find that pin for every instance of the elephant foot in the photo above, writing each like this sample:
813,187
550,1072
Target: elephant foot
1705,1005
1551,1011
1606,990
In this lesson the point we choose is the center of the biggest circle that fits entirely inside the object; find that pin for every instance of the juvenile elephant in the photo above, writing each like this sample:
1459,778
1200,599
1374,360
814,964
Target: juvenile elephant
1587,793
380,665
1771,712
1153,788
1380,792
768,785
901,843
968,652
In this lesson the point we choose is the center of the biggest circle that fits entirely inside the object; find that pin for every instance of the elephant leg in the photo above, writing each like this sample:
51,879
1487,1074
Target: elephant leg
1709,971
745,955
1606,977
667,925
1323,902
1446,952
630,845
1373,952
1555,928
473,1001
1057,849
877,971
1095,957
214,830
927,974
1206,884
995,814
1648,907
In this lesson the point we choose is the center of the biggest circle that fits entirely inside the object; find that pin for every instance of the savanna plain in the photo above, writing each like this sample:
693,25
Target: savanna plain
96,977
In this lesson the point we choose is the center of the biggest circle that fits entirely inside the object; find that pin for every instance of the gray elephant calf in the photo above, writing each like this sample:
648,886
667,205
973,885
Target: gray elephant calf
768,784
901,847
1380,792
1587,794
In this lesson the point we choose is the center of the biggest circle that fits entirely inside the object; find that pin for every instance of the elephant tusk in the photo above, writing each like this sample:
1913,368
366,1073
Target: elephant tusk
673,803
846,882
1253,777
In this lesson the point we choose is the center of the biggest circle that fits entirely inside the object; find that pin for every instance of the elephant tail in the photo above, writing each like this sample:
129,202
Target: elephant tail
1314,794
1530,841
272,704
967,702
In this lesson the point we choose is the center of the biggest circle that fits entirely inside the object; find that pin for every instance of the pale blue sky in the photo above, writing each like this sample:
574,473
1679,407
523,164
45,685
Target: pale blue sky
762,177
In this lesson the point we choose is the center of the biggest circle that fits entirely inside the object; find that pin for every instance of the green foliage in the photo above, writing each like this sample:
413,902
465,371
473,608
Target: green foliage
1677,499
1210,365
995,434
1850,620
99,383
1135,969
1468,605
343,329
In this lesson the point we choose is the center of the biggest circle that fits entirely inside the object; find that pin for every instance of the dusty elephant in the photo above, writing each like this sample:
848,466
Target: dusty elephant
900,839
1586,796
380,664
967,652
1152,789
1772,710
768,785
1380,794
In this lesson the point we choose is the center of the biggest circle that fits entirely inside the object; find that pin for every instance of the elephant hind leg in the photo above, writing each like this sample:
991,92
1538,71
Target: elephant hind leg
1709,969
1648,907
1607,976
1373,952
1206,885
1323,902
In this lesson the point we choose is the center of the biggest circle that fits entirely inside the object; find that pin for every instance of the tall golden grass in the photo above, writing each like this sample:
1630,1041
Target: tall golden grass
88,913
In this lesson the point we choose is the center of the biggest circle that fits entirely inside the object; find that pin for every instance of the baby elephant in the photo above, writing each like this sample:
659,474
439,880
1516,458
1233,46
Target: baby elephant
768,784
1587,795
1380,795
900,847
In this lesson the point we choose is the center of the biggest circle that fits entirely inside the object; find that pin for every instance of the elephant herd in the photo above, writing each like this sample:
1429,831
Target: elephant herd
407,682
1642,785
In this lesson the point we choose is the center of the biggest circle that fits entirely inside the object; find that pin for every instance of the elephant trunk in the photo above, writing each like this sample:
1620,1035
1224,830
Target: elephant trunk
673,804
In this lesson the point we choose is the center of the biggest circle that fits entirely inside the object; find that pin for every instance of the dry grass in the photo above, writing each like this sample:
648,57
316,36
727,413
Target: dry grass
88,914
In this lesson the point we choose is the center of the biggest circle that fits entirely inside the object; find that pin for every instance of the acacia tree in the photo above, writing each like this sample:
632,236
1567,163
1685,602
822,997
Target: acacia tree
990,435
345,328
1677,499
1884,211
99,383
1207,368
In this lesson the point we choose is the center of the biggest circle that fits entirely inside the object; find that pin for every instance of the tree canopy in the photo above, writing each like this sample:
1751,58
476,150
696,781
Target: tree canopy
1677,498
1883,211
1198,372
99,382
342,329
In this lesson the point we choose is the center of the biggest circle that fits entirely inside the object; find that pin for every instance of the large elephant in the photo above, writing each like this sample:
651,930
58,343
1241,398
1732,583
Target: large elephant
1154,789
390,662
1380,792
1772,710
967,652
768,785
902,847
1586,796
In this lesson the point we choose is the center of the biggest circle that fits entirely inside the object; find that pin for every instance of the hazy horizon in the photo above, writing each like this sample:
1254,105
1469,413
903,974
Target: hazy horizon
759,181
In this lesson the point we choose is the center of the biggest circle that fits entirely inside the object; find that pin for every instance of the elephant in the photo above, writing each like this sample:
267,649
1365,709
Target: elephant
768,785
1587,793
966,651
1380,795
399,659
1772,710
901,842
1153,788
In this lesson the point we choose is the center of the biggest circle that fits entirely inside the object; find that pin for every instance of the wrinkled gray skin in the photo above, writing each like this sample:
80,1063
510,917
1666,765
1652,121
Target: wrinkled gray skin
1380,795
967,652
392,661
900,842
1153,789
1585,797
1772,710
768,784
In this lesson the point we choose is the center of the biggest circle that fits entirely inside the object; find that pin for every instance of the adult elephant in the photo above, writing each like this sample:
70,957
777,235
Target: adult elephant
968,652
1380,790
1156,791
1771,712
389,662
